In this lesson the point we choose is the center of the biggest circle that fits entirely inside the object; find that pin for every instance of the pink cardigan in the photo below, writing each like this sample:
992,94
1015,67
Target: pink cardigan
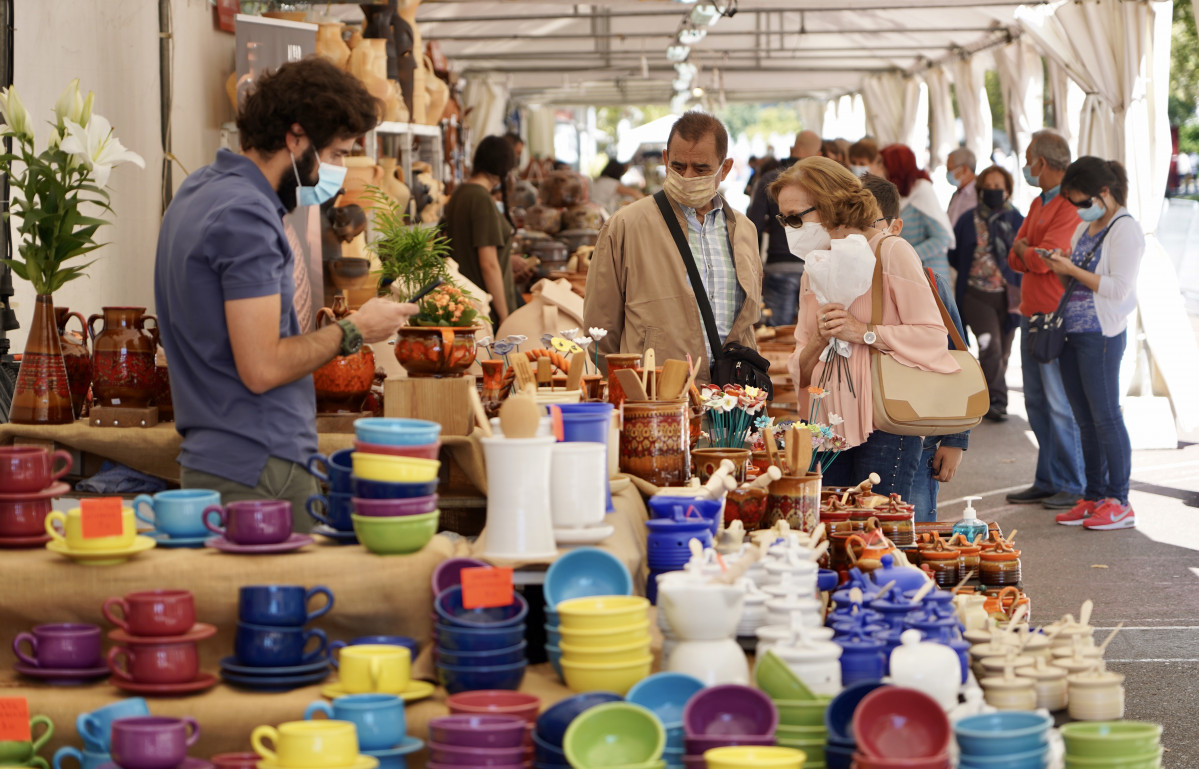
911,332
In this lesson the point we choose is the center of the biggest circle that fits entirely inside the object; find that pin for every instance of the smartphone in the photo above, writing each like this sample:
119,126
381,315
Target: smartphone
1044,253
425,290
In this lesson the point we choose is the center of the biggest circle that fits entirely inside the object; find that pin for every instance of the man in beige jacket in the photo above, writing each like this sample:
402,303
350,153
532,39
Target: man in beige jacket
637,285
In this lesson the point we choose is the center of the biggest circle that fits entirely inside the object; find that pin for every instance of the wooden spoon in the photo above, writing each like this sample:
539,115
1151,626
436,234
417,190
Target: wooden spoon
789,452
772,450
578,362
649,377
520,417
481,420
631,383
803,449
524,372
1108,640
924,590
675,374
545,374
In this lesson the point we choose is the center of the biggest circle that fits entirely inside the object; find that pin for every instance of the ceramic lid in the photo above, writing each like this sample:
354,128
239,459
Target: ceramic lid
1007,684
1021,661
938,555
1043,671
1095,678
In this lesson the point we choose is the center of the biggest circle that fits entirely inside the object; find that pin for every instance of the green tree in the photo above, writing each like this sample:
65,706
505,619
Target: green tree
1184,67
995,97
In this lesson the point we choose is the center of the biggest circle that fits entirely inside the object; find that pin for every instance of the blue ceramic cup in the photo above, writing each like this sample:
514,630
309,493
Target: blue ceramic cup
85,758
383,640
333,510
177,513
284,606
379,718
95,727
338,469
588,423
276,647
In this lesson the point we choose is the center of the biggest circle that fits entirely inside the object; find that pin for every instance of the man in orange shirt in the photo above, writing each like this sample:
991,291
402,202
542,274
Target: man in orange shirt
1050,225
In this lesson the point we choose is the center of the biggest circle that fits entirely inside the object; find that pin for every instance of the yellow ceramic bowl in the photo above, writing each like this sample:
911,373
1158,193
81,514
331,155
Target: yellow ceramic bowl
600,677
601,611
605,637
392,469
625,654
754,757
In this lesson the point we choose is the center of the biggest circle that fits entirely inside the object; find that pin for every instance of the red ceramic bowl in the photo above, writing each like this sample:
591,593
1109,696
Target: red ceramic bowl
862,761
893,722
425,451
388,508
495,702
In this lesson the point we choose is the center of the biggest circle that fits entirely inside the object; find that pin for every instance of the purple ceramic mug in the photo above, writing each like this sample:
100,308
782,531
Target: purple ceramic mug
61,646
252,521
152,742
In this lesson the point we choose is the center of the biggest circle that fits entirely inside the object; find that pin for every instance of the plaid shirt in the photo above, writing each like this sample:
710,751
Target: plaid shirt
713,253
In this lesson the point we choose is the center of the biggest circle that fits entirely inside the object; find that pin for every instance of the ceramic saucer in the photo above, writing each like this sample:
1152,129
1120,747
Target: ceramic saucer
274,683
409,745
198,632
231,665
340,537
50,492
417,690
203,681
34,541
103,557
63,676
295,542
188,763
591,535
362,762
166,540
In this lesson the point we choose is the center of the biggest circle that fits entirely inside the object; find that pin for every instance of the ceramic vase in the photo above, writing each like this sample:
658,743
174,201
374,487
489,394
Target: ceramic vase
617,361
519,523
76,356
343,383
437,94
435,351
796,500
43,394
654,442
330,44
392,184
495,386
123,358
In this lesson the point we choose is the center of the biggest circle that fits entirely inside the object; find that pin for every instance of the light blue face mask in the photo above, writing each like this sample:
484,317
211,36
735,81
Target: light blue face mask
953,180
1093,212
328,184
859,170
1035,181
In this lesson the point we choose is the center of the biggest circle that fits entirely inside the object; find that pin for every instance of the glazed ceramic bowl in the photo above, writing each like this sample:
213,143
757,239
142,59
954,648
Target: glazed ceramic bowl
1102,739
365,489
895,722
553,723
601,612
586,572
396,536
548,754
387,431
459,678
1029,759
803,712
426,451
554,655
838,718
612,655
495,702
1007,731
506,656
774,677
731,709
381,467
450,610
697,746
457,638
456,755
479,731
390,508
603,677
665,695
804,733
754,758
863,761
1146,761
839,756
449,572
616,734
552,635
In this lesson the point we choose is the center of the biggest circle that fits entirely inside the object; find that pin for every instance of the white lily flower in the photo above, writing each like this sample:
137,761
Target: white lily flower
98,148
16,117
55,139
728,403
583,341
70,104
597,333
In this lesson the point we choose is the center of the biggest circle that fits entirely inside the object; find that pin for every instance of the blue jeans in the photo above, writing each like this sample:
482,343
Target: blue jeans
1059,461
780,294
896,459
925,487
1091,373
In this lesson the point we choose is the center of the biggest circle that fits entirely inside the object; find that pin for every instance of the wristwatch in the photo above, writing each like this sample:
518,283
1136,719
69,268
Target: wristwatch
351,339
870,337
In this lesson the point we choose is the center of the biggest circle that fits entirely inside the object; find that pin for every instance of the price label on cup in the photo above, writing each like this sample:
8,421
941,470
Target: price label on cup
558,429
102,517
14,720
484,588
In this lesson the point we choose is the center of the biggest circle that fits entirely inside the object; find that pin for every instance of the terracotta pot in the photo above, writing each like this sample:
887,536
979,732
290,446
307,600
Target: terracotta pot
654,442
704,462
594,387
617,361
123,358
435,351
795,499
76,356
42,395
330,45
495,386
343,383
746,505
361,172
393,185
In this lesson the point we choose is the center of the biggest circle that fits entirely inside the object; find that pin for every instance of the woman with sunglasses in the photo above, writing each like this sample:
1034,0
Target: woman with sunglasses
825,209
1100,276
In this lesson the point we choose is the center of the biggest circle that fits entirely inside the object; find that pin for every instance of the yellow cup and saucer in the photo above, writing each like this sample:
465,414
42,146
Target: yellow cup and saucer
376,668
67,538
310,745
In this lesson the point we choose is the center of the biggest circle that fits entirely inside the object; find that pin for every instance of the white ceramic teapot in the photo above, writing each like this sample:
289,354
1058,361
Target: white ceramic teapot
932,668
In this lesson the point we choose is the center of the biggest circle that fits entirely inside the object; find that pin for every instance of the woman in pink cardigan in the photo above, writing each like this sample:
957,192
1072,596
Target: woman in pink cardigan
828,214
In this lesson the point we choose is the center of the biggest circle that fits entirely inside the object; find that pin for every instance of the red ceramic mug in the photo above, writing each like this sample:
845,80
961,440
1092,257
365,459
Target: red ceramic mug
156,663
153,612
29,469
236,760
24,517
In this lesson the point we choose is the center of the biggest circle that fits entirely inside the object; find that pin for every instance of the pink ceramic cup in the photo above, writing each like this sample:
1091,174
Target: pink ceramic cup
29,469
153,612
379,508
24,517
156,663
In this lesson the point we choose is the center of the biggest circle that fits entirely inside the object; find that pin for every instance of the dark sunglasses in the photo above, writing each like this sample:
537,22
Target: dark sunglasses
1085,204
795,221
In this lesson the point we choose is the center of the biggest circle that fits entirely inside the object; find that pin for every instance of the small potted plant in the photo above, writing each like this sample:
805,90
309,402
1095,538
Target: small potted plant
440,340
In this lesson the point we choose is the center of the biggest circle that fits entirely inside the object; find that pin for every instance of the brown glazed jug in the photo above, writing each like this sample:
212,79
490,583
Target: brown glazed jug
77,356
123,363
343,383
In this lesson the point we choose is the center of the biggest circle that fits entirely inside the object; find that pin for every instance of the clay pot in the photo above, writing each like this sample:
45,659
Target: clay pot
123,358
368,63
999,566
76,356
393,185
796,500
746,505
617,361
361,172
438,94
343,383
435,351
42,395
655,442
495,386
330,45
706,461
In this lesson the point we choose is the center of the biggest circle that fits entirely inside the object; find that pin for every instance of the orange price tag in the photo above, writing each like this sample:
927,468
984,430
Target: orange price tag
556,426
102,517
485,587
14,719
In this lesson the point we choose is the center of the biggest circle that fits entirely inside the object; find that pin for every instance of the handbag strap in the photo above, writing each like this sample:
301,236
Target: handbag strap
1091,263
958,342
697,285
877,291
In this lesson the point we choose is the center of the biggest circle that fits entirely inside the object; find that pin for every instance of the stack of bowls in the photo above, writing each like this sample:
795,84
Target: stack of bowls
760,757
605,642
1112,744
801,713
1019,739
468,741
499,703
727,716
899,728
580,573
838,721
394,484
666,695
550,730
480,648
618,735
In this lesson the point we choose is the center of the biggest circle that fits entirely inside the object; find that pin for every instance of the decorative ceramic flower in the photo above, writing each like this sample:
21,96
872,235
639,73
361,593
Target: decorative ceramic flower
503,347
569,333
597,333
484,342
834,420
583,341
547,341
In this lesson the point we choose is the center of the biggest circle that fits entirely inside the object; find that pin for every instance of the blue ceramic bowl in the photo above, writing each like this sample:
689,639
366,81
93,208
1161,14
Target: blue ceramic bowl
366,489
552,724
584,572
551,616
665,695
838,718
827,579
335,470
1002,733
1029,759
838,757
554,655
490,658
455,638
450,610
384,431
553,636
458,678
676,738
547,754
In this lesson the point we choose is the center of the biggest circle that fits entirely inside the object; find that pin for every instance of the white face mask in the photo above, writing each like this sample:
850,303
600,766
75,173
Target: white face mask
859,170
810,237
695,192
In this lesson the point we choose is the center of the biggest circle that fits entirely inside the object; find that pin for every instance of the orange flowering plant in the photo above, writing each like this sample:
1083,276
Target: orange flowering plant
446,306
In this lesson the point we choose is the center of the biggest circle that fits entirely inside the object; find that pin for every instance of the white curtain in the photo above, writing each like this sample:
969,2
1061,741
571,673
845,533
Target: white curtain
969,82
485,99
845,118
943,133
812,114
892,102
1022,82
1059,89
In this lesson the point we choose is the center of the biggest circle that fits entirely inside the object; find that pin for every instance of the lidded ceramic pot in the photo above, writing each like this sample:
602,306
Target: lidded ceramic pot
1077,664
972,613
1050,685
994,666
1097,695
1010,691
943,562
816,662
795,601
932,668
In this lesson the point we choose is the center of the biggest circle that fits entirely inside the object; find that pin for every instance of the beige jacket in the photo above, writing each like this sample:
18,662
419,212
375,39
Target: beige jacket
637,286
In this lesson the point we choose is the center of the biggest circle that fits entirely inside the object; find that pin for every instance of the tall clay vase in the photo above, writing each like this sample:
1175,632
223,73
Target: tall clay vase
123,358
43,395
330,45
77,356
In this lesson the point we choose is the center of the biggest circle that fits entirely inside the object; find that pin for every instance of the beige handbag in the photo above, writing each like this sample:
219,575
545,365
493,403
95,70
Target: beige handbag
911,401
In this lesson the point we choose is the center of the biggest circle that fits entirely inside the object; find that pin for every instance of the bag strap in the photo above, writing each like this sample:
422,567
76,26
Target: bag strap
1091,263
697,285
877,313
958,343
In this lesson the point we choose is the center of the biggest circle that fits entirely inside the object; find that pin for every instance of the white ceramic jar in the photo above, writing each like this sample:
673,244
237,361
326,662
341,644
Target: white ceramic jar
519,525
1015,693
817,663
932,668
1097,695
1050,685
701,612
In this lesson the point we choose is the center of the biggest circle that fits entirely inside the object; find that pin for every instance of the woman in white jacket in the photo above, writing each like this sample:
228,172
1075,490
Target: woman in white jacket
1101,280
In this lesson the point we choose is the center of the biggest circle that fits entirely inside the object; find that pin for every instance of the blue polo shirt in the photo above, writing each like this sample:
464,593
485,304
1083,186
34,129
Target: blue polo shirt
222,239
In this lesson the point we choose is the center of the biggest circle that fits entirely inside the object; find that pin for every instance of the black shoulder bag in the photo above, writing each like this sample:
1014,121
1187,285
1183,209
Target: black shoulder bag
1047,330
733,363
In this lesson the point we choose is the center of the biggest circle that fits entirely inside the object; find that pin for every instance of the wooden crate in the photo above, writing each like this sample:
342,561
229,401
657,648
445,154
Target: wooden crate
444,401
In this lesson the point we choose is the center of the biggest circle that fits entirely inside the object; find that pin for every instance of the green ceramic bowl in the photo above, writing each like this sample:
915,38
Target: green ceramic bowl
801,732
617,734
1150,760
399,535
802,712
813,750
1109,739
776,679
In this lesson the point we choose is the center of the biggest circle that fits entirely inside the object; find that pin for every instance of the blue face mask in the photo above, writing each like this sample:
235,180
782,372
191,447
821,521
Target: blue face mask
1093,212
953,180
328,184
859,170
1028,177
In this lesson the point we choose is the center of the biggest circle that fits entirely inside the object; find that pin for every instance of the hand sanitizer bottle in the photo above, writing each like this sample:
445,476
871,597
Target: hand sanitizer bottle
970,527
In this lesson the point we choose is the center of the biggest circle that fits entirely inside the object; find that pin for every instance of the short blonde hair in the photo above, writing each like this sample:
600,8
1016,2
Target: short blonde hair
837,194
